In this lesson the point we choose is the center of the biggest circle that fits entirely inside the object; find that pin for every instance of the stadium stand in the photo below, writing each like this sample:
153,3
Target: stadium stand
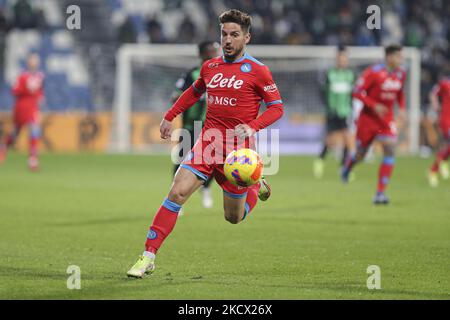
39,27
307,22
82,63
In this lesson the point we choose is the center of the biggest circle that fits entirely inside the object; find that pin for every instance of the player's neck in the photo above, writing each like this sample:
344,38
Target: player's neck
390,67
237,58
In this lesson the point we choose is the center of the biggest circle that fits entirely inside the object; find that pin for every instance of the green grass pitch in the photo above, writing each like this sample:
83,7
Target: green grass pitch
314,239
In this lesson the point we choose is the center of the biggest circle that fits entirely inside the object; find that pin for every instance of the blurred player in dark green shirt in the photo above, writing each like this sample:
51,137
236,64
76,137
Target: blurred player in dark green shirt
207,50
338,95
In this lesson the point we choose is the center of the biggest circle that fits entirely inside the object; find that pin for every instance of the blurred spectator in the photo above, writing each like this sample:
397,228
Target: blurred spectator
3,32
24,15
416,23
155,30
127,32
40,21
186,31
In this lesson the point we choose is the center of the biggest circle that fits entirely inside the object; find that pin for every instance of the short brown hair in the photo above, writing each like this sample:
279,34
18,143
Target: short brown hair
392,48
236,16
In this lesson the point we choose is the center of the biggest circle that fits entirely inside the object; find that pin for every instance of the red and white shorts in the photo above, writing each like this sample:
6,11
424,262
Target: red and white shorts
205,164
369,130
23,118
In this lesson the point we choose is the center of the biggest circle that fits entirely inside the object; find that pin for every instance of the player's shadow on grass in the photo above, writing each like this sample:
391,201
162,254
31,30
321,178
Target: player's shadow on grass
32,274
346,222
348,290
359,291
95,222
26,273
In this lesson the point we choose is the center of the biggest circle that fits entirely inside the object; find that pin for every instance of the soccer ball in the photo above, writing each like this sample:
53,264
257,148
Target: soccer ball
243,167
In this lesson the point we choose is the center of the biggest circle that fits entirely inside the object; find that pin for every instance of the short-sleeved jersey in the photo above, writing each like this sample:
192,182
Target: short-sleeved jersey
198,111
378,84
235,91
442,90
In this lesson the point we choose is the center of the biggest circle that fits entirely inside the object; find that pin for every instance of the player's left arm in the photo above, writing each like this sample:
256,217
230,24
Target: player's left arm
434,95
20,87
401,100
41,92
268,91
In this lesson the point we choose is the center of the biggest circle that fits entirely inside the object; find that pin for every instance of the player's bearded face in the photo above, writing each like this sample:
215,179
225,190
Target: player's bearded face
395,60
233,40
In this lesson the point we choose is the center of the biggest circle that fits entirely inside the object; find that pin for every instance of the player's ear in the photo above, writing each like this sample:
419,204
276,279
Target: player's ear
247,37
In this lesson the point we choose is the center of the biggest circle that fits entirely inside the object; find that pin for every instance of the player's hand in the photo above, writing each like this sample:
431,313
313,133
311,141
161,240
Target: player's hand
243,131
402,119
165,129
381,109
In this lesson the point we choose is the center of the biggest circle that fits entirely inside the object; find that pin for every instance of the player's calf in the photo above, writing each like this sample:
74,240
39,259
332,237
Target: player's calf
2,153
351,162
33,163
238,206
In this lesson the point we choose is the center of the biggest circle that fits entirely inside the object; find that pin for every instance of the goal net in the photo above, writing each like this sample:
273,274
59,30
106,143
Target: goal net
146,76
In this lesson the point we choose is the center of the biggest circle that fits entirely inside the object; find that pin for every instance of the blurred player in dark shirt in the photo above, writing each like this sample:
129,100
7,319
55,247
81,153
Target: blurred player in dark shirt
206,50
338,95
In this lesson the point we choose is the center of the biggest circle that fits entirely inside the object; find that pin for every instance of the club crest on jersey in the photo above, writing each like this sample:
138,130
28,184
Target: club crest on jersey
246,67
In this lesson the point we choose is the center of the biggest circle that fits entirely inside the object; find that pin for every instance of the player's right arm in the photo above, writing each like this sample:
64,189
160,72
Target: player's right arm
187,99
182,84
19,87
434,96
362,86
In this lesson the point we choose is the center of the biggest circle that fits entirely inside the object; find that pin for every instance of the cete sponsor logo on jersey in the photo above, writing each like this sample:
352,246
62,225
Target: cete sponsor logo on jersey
391,84
222,101
218,80
270,88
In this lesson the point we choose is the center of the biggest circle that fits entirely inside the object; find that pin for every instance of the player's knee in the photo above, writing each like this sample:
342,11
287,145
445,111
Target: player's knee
177,195
232,216
389,151
358,157
360,153
232,219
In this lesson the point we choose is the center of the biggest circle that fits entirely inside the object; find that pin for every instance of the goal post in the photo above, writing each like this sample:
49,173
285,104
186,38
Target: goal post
146,75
